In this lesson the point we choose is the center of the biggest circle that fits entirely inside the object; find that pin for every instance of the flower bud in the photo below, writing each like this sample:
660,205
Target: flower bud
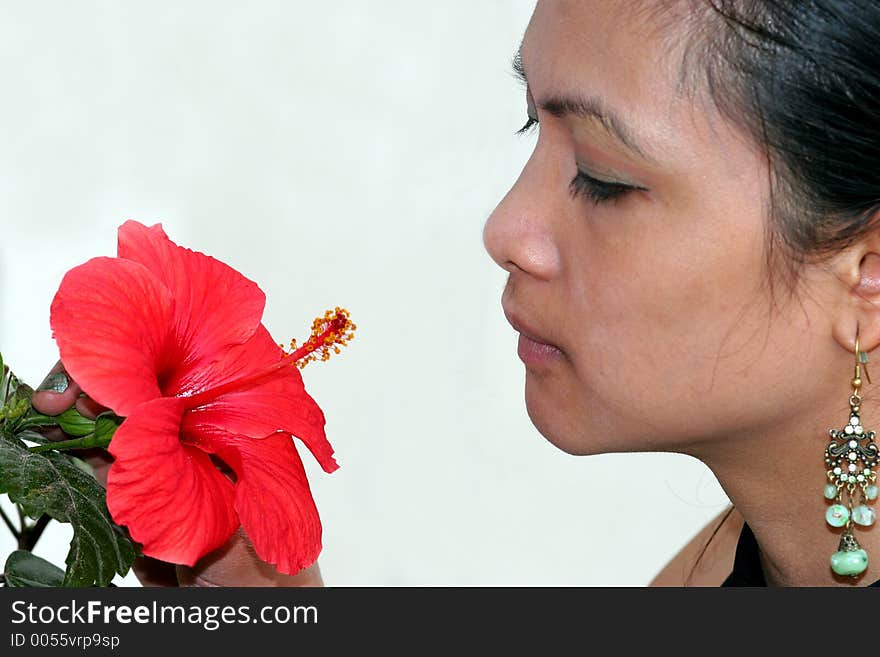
74,424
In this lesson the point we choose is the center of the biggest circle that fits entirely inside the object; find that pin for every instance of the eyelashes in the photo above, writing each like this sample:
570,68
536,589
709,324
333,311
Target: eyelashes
597,190
583,184
528,127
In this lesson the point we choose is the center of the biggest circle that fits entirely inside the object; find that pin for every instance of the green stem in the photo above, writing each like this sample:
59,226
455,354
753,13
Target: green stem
9,523
28,539
85,442
37,421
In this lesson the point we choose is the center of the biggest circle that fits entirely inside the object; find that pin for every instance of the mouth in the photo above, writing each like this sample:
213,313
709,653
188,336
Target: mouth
533,349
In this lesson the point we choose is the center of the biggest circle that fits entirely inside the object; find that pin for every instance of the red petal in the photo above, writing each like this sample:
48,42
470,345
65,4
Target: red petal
111,320
273,499
171,497
233,364
216,307
279,404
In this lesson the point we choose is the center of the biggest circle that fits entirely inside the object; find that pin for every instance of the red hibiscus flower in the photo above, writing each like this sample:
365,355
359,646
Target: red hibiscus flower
172,340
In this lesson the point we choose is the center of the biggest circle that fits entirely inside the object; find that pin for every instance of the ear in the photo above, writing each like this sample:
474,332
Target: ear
858,266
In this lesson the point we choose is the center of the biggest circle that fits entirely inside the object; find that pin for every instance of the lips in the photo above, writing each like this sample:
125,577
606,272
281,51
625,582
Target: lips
533,348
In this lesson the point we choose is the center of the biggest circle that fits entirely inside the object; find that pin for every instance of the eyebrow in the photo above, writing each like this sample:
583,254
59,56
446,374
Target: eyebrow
587,108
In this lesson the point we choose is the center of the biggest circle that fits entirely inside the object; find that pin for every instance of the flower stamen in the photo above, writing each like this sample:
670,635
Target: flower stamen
330,332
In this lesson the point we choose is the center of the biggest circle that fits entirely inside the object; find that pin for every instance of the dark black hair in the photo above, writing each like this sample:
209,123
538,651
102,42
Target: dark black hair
802,77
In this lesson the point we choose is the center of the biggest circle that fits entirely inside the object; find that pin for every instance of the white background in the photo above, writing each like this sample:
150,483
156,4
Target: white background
341,153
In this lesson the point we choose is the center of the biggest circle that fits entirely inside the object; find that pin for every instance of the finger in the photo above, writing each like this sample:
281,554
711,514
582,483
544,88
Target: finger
56,393
88,407
53,433
237,564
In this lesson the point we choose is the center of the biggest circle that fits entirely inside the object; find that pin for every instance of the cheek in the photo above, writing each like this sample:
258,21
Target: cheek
650,316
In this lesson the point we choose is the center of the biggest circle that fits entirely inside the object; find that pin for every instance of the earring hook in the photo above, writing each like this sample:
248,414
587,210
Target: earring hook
861,360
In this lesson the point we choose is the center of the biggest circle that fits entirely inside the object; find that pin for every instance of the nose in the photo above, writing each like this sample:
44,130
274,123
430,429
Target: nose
519,233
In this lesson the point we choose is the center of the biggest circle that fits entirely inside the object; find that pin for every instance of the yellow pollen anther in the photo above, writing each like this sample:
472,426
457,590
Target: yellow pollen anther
329,333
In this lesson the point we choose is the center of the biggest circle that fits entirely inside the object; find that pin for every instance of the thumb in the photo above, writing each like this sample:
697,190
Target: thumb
56,393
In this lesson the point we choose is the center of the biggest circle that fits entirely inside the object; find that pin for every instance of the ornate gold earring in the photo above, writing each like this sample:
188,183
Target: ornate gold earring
851,459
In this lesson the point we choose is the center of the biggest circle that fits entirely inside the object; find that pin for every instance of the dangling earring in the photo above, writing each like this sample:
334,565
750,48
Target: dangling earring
851,459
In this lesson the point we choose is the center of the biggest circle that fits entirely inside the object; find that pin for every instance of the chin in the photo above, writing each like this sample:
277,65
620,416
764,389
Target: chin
562,427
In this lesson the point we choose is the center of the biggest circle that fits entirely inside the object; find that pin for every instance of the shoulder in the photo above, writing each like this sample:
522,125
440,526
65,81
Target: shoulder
707,559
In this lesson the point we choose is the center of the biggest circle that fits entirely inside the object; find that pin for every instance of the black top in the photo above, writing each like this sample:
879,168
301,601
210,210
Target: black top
747,563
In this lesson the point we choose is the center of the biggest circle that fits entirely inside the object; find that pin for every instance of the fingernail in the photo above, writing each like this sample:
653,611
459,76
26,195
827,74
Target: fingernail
56,382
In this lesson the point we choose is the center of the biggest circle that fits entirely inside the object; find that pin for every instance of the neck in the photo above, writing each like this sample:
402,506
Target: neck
776,481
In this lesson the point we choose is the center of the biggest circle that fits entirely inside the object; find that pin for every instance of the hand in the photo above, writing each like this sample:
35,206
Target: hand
233,564
56,394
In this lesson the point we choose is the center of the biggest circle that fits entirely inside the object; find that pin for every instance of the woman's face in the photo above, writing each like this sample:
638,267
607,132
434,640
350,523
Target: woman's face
644,312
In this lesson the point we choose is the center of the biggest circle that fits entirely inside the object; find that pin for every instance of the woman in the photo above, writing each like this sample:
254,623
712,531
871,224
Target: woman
692,254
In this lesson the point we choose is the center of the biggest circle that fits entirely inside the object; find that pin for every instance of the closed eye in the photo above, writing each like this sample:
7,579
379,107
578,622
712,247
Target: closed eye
585,185
598,191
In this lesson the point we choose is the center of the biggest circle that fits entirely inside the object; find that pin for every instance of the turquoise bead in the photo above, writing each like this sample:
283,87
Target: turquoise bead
849,563
863,515
871,492
830,491
837,515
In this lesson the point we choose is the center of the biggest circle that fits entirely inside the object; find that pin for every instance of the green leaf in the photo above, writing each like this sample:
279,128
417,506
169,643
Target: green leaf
32,437
24,568
14,389
82,465
105,426
15,400
34,419
22,392
74,424
50,483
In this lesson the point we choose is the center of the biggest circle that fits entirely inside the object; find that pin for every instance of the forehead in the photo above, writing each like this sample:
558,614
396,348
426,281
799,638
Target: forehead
631,55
